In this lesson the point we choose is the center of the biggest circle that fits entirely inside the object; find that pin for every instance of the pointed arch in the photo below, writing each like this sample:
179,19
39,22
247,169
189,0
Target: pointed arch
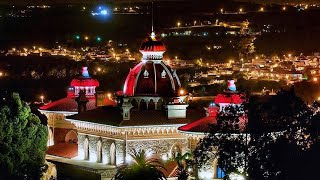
113,154
86,148
99,151
71,137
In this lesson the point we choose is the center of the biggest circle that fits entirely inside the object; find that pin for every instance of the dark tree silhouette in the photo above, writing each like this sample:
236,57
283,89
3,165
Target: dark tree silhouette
280,140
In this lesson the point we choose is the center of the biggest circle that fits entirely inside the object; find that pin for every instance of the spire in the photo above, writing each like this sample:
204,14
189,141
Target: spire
152,17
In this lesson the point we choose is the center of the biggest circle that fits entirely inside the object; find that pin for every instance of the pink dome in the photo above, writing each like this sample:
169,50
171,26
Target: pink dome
84,80
150,78
152,45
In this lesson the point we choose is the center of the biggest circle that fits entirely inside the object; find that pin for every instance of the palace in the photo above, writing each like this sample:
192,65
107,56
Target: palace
151,113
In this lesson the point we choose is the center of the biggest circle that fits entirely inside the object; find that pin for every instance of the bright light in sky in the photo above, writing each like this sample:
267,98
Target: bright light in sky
104,12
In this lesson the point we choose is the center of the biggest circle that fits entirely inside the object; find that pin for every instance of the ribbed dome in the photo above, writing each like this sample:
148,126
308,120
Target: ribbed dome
152,44
150,78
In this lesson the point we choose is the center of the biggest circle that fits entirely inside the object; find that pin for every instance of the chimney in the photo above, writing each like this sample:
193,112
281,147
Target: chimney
82,101
177,109
126,106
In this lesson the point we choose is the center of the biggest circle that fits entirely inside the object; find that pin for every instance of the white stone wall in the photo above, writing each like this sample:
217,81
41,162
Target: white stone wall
105,148
161,148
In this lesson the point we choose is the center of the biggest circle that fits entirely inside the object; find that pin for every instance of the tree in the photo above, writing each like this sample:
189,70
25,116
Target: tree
280,135
141,168
183,163
23,140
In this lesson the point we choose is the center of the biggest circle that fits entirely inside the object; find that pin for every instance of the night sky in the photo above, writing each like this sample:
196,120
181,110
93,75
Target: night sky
52,2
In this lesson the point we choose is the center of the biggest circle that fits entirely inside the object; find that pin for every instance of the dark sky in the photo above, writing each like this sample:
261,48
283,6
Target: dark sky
52,2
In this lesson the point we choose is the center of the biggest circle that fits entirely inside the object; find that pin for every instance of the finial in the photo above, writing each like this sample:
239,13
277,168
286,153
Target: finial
152,16
85,72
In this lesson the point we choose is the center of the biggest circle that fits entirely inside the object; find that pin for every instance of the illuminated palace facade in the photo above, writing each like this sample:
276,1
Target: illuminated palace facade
151,114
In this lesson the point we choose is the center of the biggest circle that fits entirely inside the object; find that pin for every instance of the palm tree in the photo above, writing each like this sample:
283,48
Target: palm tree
141,168
183,163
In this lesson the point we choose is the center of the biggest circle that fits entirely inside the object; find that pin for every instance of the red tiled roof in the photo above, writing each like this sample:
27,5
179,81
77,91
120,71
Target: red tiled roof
67,150
67,105
201,125
171,169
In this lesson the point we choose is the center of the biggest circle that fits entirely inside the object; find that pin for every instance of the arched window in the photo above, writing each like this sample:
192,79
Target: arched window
50,138
151,105
143,104
99,151
175,150
71,137
86,148
113,154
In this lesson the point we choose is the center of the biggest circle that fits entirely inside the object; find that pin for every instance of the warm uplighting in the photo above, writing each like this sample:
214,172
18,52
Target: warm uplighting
40,49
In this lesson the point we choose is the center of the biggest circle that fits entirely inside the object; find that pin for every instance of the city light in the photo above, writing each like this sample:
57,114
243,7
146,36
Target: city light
77,37
315,79
98,39
109,95
221,10
1,74
261,9
86,37
178,24
99,69
42,98
240,10
284,8
182,92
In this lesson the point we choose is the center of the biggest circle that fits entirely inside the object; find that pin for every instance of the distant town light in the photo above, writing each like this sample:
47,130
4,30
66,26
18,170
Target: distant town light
109,95
284,8
178,24
315,79
241,10
98,39
99,69
221,10
261,9
86,38
1,74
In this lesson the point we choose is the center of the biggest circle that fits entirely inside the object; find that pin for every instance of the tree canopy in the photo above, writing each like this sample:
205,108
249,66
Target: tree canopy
141,168
280,140
23,140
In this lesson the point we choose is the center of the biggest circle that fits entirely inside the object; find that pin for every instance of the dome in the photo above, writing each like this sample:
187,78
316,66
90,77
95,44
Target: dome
151,78
84,80
152,45
83,83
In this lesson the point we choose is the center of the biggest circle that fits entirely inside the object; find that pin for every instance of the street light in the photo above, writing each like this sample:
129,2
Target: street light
178,24
240,10
109,95
41,97
261,9
221,10
86,38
